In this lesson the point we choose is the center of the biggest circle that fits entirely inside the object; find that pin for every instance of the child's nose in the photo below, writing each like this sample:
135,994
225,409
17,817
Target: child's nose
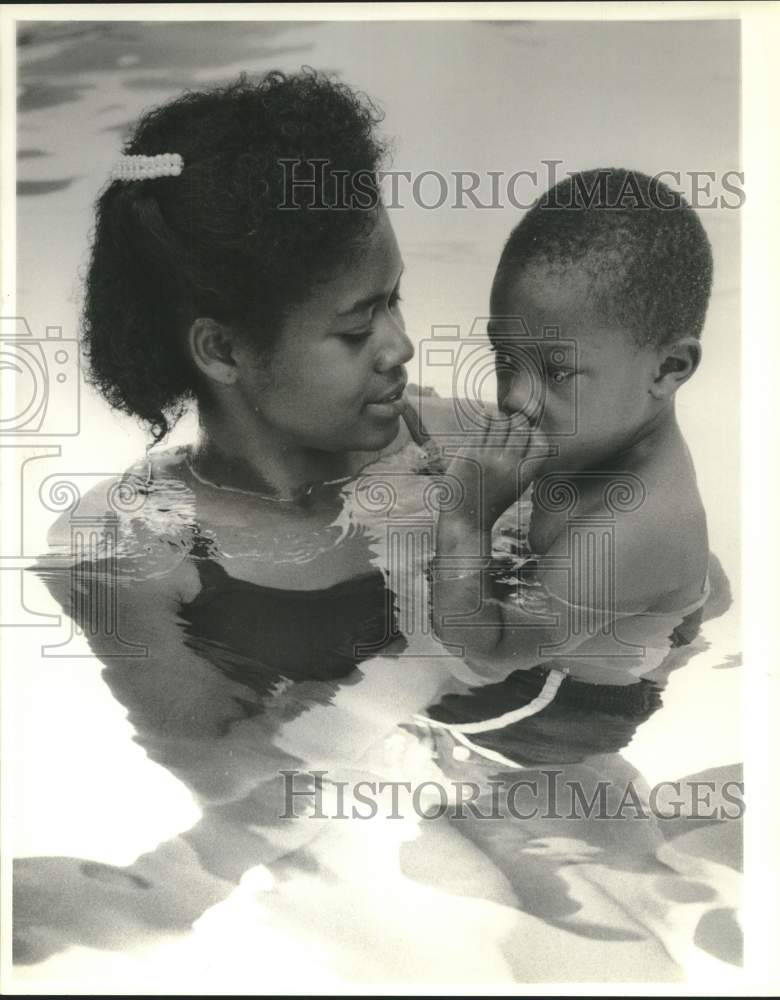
525,395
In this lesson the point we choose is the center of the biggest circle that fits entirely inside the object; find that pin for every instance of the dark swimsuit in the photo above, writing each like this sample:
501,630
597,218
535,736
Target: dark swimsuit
261,636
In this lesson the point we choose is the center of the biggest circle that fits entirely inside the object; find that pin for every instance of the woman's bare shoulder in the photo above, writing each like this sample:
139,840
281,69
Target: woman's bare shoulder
141,520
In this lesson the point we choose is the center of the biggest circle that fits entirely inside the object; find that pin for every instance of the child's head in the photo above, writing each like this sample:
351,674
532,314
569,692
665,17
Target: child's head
233,282
621,266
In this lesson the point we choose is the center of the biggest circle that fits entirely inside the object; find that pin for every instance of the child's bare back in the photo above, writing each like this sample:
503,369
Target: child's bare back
664,540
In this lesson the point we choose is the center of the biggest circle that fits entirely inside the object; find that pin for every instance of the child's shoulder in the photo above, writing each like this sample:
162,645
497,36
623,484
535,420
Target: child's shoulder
664,542
654,542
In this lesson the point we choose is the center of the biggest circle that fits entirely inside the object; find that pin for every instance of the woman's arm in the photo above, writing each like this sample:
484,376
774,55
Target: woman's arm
189,716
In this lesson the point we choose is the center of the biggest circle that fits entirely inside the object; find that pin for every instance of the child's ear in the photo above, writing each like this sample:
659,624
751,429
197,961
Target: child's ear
677,361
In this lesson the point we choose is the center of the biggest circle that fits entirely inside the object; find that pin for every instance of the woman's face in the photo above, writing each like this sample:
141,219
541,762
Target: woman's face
337,371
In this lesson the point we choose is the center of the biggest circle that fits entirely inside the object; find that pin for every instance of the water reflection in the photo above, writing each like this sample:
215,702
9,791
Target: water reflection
43,187
298,647
36,95
134,45
254,685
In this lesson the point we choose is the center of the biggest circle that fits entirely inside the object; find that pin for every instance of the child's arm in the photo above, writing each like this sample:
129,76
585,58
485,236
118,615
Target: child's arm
492,471
494,632
500,635
188,714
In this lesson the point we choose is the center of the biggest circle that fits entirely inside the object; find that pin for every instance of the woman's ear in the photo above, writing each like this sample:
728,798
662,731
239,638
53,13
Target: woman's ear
212,347
677,361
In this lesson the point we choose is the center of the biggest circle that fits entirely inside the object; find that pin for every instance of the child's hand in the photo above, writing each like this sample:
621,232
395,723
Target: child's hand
495,468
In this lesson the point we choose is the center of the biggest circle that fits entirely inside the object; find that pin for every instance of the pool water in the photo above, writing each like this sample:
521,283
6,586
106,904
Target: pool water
147,804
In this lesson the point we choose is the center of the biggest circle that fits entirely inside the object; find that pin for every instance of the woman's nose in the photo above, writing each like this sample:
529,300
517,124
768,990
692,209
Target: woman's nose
396,347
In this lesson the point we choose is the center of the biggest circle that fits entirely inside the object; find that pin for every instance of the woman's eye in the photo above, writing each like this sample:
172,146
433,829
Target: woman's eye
394,299
356,337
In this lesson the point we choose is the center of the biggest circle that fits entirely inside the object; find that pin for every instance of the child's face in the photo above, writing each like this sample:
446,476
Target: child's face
590,396
339,355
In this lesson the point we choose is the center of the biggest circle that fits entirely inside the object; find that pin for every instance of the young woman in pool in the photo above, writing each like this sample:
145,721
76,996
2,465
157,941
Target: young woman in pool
241,599
234,267
248,604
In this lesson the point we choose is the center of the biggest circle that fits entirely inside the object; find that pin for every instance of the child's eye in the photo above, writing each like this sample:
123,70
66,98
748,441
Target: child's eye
394,299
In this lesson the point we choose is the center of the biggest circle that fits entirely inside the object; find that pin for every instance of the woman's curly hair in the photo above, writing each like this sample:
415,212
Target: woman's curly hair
239,236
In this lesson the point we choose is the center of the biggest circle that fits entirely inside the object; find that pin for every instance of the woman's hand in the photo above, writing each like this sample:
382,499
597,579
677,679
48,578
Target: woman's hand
495,467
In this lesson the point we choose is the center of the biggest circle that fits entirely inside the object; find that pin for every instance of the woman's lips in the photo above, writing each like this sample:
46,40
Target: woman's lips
392,394
390,404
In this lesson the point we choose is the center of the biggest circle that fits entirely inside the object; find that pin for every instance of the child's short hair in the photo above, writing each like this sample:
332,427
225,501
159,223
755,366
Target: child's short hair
642,246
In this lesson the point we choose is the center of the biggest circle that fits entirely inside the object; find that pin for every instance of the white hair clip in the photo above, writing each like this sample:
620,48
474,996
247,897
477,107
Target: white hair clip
141,168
